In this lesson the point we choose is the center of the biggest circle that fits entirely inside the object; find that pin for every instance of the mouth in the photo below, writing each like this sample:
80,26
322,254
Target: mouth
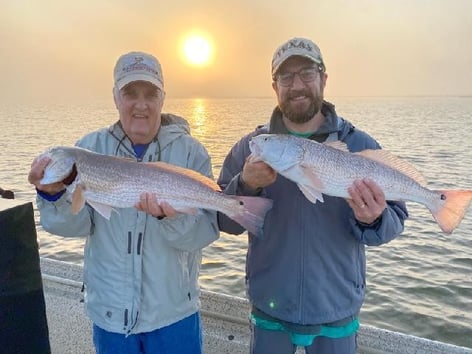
139,116
298,98
253,147
299,95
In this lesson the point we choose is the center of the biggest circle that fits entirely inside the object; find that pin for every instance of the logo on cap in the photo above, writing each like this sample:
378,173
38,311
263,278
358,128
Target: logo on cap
296,47
137,66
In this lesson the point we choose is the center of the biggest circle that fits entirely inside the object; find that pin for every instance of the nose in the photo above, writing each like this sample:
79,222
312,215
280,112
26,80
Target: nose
141,102
297,81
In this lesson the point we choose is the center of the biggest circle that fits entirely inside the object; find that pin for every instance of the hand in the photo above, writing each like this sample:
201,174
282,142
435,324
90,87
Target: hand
149,204
367,200
257,174
36,174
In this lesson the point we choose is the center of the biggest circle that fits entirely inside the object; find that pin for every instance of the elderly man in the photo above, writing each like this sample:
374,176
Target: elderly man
140,267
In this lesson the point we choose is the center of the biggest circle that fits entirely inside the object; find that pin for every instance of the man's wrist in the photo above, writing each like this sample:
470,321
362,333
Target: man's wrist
247,188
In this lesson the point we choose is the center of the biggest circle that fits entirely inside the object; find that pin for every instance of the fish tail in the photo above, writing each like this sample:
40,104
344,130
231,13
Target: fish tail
452,211
251,215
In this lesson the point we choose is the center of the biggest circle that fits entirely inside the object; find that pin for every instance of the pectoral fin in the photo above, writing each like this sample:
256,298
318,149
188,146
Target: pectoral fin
308,181
190,211
78,200
311,194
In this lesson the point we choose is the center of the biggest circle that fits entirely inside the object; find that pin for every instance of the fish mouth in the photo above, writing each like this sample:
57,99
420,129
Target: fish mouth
255,151
253,147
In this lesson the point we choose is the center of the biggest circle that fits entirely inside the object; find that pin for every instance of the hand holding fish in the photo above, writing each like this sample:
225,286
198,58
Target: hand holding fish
257,174
367,200
148,202
36,174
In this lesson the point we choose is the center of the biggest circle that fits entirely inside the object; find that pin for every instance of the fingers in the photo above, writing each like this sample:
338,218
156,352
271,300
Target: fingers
36,174
257,174
367,200
168,210
37,169
149,203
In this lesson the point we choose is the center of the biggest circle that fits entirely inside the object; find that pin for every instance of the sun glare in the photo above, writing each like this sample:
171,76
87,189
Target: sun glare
197,50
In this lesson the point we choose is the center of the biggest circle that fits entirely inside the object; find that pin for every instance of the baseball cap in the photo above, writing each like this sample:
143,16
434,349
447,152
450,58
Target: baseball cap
296,47
138,66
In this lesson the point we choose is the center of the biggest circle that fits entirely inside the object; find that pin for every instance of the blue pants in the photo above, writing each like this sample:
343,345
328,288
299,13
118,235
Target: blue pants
184,336
278,342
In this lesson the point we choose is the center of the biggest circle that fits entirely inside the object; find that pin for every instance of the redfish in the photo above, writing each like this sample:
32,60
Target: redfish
329,168
108,182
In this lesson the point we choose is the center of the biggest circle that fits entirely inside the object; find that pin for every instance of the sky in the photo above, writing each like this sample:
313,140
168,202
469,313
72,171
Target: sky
65,50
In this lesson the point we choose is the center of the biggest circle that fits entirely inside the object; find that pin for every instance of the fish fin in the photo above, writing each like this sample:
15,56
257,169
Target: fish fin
311,194
337,144
388,159
251,215
103,209
312,186
452,211
191,211
187,172
78,200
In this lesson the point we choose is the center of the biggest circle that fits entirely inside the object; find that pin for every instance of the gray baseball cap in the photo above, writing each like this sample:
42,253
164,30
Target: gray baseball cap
296,47
138,66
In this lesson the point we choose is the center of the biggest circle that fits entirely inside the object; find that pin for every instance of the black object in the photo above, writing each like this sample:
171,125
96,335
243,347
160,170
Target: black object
7,194
23,323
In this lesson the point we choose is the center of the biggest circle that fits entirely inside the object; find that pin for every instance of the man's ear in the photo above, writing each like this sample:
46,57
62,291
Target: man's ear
324,78
115,92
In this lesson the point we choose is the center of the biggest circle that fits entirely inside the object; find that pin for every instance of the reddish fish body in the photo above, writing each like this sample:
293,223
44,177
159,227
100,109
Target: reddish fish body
107,182
331,169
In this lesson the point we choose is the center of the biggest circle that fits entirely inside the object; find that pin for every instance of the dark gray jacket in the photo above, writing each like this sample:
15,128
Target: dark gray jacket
309,266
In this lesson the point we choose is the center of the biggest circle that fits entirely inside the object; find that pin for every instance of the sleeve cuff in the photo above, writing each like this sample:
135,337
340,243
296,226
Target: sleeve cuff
50,197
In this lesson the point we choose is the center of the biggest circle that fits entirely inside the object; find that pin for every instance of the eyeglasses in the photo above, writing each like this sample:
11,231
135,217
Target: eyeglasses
306,75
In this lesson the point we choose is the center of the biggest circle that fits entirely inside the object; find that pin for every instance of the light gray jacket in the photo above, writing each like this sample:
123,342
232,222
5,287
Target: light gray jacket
140,273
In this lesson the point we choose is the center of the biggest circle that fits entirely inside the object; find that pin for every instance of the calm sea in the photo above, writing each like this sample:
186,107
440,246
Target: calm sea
419,284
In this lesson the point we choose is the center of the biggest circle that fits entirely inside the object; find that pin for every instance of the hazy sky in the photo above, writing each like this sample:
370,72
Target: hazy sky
66,50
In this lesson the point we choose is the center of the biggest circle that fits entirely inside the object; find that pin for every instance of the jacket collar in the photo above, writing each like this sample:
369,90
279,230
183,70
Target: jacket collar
172,127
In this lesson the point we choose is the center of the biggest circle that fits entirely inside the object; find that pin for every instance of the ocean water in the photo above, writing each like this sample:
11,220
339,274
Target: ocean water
418,284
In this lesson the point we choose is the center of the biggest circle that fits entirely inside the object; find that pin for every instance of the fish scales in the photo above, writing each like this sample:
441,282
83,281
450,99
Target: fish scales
108,182
330,169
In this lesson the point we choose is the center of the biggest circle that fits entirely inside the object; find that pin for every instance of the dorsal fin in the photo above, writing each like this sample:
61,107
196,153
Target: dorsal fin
388,159
187,172
337,144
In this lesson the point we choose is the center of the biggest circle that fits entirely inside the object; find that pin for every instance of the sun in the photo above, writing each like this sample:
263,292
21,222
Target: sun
197,50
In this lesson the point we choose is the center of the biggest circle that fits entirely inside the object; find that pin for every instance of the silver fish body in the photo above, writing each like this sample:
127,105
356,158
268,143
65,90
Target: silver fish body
331,169
107,182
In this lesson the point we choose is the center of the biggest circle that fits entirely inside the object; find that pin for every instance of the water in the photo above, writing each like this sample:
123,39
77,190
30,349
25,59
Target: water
419,284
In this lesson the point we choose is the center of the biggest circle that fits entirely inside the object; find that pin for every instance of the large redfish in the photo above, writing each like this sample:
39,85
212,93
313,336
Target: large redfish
107,182
329,168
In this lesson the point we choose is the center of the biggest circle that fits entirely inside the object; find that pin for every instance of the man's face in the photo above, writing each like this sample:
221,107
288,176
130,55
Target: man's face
300,98
139,105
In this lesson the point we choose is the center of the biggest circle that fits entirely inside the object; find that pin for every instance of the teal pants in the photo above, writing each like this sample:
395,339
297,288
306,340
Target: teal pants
265,341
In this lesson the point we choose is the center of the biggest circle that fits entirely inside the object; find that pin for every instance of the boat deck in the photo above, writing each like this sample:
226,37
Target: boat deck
225,321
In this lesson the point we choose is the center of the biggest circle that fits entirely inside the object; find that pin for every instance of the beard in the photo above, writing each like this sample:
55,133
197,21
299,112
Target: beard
300,115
